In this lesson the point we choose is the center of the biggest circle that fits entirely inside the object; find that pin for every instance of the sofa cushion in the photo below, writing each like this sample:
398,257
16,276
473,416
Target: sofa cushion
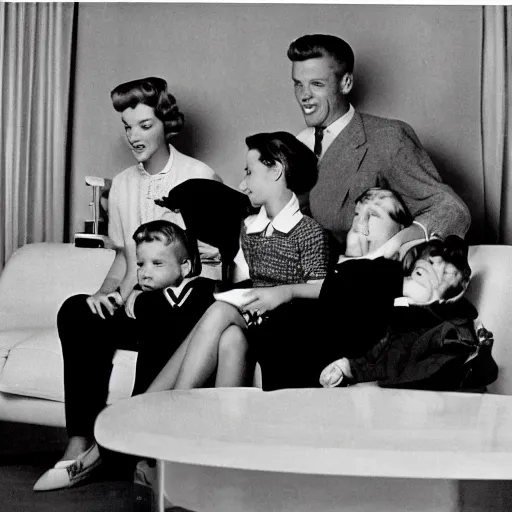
33,366
9,339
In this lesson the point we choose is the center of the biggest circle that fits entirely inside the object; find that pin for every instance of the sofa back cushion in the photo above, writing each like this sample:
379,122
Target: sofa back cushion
39,277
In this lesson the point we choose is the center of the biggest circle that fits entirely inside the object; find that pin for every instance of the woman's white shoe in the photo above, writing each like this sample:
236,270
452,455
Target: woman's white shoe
67,473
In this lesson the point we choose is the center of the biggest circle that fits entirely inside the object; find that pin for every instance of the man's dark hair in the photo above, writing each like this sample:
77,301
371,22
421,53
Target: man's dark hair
314,46
298,161
171,234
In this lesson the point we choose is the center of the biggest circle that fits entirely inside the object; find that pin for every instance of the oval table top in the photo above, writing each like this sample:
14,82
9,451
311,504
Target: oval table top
359,431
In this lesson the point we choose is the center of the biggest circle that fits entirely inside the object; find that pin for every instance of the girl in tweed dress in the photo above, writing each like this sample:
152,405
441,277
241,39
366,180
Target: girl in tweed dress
285,255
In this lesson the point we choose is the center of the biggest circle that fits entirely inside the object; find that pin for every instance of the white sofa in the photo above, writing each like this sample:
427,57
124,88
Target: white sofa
39,277
33,285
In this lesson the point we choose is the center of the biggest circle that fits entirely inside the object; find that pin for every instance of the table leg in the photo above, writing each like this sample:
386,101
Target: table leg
159,491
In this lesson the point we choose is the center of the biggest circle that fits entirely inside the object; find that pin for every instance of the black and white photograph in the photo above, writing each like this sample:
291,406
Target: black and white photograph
255,257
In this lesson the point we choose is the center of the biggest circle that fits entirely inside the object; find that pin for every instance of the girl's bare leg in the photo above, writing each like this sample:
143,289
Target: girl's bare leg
202,355
233,366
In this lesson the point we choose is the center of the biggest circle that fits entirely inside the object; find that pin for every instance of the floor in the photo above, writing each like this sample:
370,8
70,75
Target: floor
26,451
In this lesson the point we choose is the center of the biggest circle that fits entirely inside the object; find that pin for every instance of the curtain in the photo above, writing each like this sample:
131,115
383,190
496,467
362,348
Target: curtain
496,111
36,61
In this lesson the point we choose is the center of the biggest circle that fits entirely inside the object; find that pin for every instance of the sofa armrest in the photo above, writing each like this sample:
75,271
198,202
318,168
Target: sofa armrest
490,291
39,277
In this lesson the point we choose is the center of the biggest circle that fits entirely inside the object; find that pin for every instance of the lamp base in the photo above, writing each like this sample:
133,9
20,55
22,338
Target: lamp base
90,240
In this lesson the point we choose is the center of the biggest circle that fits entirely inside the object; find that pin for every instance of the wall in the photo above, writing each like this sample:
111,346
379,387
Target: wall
227,66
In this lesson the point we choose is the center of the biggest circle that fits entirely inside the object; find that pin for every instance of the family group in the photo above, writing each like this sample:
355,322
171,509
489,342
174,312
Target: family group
349,261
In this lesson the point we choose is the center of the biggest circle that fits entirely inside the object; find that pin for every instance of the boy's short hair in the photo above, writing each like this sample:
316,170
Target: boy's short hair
400,212
452,250
169,233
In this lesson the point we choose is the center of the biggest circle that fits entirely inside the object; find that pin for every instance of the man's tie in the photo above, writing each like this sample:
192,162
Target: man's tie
319,135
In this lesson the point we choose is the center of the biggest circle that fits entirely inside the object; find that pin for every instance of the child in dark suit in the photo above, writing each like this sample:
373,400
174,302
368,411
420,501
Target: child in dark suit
428,333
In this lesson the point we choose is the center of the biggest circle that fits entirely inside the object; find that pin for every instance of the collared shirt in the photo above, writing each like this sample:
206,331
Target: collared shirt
133,193
307,136
155,186
284,221
289,249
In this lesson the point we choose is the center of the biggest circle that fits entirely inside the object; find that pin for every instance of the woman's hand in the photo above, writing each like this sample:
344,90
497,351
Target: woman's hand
261,300
110,301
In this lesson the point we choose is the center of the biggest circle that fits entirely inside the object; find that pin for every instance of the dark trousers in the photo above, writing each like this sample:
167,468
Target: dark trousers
88,346
290,347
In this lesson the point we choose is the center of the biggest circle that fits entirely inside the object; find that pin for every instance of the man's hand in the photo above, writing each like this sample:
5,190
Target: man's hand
390,250
110,301
261,300
356,244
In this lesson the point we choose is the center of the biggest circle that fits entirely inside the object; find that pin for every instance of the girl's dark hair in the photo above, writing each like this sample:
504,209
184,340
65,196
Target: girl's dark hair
169,233
298,161
153,92
452,250
314,46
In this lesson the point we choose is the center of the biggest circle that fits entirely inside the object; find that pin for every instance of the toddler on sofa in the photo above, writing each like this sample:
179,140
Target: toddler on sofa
430,333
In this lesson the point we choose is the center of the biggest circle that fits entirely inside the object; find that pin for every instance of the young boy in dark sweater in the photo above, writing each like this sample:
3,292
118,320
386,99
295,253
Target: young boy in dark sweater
170,297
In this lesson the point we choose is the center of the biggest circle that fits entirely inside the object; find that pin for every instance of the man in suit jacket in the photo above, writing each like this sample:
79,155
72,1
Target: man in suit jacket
357,151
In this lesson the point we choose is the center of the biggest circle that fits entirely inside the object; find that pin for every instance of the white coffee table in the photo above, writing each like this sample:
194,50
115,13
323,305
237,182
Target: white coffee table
357,449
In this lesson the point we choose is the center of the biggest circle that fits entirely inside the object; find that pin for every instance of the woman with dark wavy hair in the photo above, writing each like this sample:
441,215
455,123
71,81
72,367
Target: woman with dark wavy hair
92,327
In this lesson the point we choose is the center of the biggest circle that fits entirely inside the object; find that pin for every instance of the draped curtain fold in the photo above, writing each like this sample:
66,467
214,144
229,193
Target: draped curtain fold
36,51
496,112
